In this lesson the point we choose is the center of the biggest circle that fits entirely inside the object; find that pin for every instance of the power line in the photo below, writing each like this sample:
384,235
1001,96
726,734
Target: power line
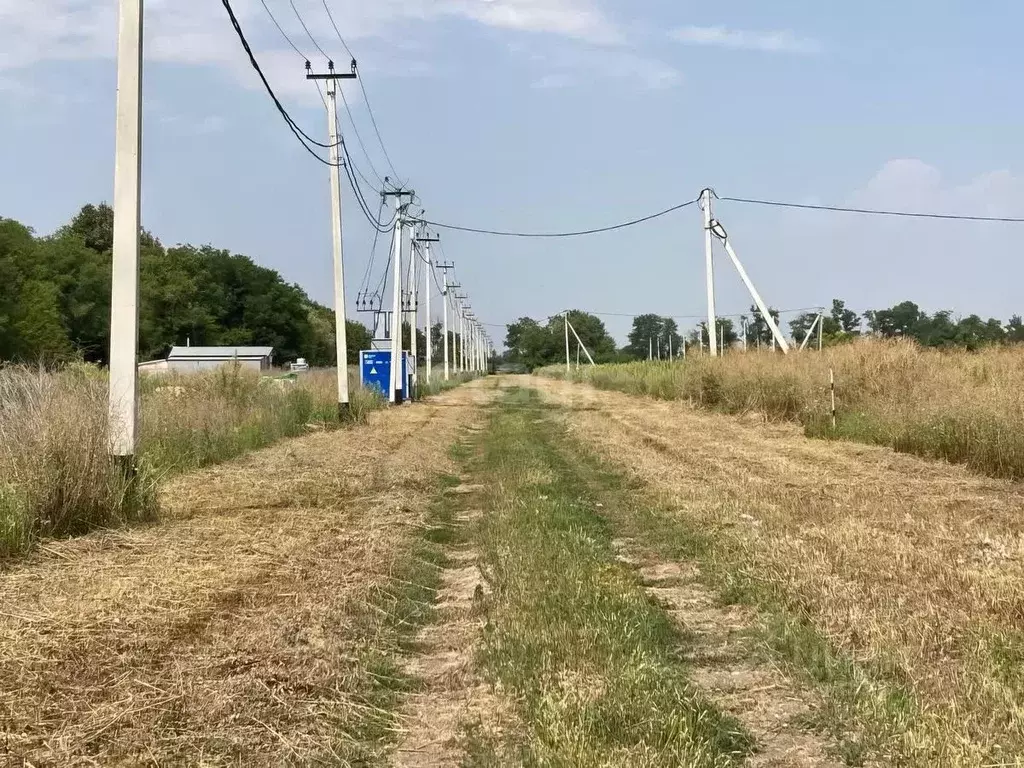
376,129
873,211
359,139
695,317
344,100
301,135
281,30
308,33
366,97
349,166
579,233
337,31
365,284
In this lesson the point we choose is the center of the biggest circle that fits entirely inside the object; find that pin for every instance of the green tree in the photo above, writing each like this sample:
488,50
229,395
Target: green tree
1015,330
17,247
39,330
801,325
899,321
646,330
359,338
591,331
758,332
842,320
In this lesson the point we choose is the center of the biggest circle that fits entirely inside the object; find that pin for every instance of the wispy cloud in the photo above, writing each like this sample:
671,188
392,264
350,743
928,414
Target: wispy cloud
563,66
196,32
577,19
775,41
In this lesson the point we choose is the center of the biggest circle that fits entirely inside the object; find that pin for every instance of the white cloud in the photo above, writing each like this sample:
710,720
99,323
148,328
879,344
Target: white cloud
197,33
778,41
577,19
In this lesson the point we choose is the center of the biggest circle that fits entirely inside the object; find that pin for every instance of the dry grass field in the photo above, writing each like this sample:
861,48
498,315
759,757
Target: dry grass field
965,407
56,478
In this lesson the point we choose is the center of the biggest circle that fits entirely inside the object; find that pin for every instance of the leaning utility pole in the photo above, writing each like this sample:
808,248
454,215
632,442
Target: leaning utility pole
395,394
429,277
122,405
340,330
710,269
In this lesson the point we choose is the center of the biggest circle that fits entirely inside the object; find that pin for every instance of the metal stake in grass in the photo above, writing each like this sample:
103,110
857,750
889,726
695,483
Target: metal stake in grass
832,391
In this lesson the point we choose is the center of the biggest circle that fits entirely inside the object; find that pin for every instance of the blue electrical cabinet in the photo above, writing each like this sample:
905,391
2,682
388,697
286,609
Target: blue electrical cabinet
375,370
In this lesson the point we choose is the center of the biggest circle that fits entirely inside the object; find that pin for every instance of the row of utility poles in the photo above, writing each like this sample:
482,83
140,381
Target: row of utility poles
472,346
465,350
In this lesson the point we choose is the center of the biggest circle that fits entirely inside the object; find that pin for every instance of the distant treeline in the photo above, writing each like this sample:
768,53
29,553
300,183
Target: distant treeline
55,298
534,344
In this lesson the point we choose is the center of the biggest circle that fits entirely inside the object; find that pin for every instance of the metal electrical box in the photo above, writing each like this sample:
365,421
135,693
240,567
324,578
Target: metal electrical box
375,371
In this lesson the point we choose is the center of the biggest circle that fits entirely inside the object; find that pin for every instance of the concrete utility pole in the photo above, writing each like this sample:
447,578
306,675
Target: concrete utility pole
460,345
395,393
447,287
340,330
123,409
710,269
463,335
565,320
427,280
414,317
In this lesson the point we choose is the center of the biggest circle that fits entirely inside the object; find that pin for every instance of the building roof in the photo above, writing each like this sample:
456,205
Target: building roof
219,353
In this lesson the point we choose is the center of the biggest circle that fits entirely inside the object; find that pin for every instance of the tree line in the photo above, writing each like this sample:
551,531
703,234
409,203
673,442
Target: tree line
55,302
532,343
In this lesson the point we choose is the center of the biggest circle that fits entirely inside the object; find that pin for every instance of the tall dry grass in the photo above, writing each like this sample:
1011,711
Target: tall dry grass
55,476
57,480
964,407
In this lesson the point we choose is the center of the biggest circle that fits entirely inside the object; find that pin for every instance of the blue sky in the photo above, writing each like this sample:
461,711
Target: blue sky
555,114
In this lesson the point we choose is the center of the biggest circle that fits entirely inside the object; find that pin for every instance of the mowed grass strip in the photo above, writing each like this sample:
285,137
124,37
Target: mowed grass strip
890,583
594,666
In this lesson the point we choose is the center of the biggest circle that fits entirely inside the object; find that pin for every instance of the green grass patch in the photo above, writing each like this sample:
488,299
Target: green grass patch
571,636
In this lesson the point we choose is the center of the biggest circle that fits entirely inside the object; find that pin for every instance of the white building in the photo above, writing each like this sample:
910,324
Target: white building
194,359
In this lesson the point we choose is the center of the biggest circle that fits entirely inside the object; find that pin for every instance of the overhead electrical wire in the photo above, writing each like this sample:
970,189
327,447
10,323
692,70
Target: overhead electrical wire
357,191
874,211
359,140
347,162
365,284
281,30
699,317
326,55
308,33
300,134
366,97
579,233
348,166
